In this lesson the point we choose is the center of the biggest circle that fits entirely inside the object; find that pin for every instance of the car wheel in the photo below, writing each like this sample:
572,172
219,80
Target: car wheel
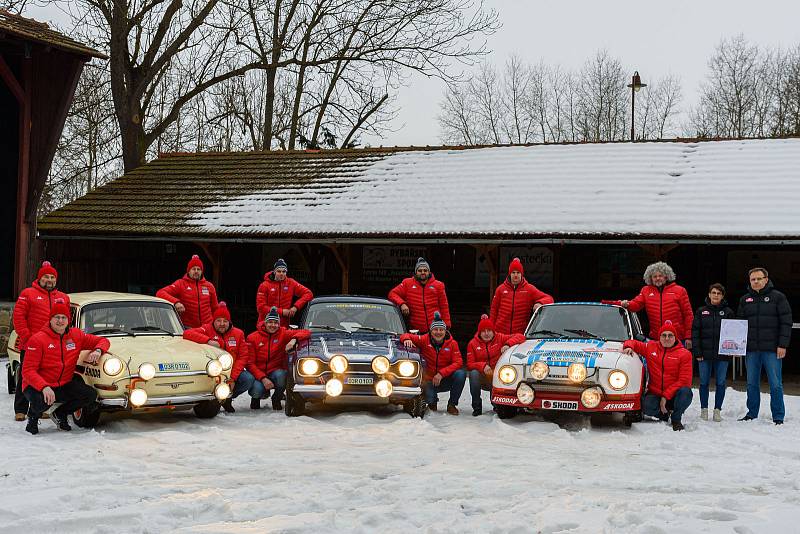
87,417
12,380
207,409
295,405
631,417
416,407
505,412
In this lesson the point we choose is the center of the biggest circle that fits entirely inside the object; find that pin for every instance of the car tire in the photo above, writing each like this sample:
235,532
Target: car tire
12,380
207,409
416,407
505,412
631,417
295,405
88,417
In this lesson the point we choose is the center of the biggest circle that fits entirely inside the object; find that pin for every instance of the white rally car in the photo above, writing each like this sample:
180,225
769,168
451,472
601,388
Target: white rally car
572,360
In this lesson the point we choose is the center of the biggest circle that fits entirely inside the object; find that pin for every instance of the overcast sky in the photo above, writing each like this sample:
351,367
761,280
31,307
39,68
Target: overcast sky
655,37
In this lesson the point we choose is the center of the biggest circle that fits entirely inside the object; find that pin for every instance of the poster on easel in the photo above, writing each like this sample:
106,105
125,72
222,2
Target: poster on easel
733,337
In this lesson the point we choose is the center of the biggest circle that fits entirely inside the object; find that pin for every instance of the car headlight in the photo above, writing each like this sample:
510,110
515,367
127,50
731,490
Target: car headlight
226,360
222,391
213,368
617,379
507,374
338,364
113,366
380,365
309,367
138,397
540,370
334,387
147,371
407,368
383,388
576,372
525,393
591,397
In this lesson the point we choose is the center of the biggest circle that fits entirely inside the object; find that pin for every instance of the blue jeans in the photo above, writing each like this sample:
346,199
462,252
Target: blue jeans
773,366
477,382
453,383
258,391
678,404
243,383
720,369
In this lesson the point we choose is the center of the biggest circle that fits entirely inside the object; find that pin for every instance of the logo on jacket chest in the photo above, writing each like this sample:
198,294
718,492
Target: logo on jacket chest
188,288
766,299
204,290
51,346
231,342
70,345
274,341
722,312
39,297
749,299
706,312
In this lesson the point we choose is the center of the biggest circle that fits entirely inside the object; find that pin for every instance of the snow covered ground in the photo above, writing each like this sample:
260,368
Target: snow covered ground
385,472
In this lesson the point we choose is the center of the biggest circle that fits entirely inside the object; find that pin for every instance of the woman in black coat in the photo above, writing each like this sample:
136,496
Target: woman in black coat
705,346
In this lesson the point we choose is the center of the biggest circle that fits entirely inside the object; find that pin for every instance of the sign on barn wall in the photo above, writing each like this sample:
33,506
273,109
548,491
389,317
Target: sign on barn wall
389,264
537,262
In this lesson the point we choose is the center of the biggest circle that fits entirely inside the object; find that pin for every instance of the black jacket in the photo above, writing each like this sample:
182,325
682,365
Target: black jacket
705,330
769,318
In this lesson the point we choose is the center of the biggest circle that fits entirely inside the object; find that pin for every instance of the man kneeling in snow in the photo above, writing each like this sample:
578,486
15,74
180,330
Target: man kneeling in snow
669,365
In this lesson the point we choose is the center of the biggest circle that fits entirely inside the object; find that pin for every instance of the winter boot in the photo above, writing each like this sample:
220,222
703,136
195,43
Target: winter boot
276,403
704,414
778,421
476,412
228,405
255,404
33,425
452,410
717,415
677,426
746,418
60,421
20,416
432,406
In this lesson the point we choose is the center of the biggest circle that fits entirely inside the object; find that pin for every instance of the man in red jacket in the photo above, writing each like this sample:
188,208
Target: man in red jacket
268,364
48,374
443,364
515,300
483,351
669,364
286,294
420,296
222,334
663,300
194,297
31,314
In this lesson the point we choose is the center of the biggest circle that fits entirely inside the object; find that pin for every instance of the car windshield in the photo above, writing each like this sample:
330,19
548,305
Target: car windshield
353,317
579,321
130,318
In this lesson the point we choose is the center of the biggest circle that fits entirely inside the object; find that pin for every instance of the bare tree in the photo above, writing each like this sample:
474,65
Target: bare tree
657,112
14,6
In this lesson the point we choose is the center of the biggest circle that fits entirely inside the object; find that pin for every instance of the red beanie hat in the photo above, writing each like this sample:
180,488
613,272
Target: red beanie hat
59,308
222,311
668,327
516,265
485,324
195,262
47,268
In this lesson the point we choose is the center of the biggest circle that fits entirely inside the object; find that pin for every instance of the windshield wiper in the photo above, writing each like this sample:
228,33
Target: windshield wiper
585,333
111,331
149,328
379,330
329,328
548,333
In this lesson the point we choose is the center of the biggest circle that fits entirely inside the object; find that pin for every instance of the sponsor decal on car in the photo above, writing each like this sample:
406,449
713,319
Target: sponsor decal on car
559,405
618,406
173,366
89,371
503,400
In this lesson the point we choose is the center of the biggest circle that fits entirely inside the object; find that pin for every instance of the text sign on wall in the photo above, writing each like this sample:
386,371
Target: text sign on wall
390,264
537,262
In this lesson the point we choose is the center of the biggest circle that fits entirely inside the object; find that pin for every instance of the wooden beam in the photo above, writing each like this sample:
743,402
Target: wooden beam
342,255
212,252
23,251
659,252
11,81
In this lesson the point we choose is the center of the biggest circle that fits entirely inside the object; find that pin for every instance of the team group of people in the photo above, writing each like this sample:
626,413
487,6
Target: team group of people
51,348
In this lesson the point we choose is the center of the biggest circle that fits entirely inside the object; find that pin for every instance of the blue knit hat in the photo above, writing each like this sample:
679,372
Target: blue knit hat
280,264
437,321
273,315
421,262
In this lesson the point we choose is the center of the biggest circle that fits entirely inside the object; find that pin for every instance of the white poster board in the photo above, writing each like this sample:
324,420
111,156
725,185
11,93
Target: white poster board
733,337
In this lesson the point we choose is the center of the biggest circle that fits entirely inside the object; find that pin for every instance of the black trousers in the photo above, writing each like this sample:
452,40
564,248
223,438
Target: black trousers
73,395
20,401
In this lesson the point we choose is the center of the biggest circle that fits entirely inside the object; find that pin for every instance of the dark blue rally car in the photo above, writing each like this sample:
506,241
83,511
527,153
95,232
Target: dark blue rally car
354,357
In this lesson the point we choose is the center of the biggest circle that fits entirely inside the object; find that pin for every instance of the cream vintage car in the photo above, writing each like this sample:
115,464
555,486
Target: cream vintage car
149,365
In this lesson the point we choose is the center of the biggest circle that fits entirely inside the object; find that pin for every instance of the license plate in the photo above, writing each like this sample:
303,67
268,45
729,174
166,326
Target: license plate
559,405
173,366
359,380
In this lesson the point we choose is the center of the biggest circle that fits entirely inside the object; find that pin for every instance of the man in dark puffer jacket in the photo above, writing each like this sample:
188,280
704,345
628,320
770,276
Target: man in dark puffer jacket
705,346
769,318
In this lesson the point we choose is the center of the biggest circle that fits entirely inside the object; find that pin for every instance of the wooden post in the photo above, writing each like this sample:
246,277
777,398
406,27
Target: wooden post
213,253
342,255
490,252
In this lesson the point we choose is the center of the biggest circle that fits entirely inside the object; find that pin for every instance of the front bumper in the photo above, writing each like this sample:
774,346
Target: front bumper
567,401
166,402
356,394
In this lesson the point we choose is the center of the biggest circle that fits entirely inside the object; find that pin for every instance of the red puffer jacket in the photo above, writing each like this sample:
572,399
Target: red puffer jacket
232,341
282,295
269,350
199,297
512,307
422,301
669,369
50,358
480,353
671,303
444,360
32,311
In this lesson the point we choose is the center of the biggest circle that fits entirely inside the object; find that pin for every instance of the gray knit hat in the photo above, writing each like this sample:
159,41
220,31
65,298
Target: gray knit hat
421,262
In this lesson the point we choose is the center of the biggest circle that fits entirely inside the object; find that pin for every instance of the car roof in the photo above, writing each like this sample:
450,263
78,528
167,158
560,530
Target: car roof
82,299
351,298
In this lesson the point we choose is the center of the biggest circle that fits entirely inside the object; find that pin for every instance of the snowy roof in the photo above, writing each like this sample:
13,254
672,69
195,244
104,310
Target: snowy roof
31,30
741,189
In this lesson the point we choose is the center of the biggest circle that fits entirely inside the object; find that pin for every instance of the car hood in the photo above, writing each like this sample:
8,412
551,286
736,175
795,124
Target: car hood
563,352
356,347
162,349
